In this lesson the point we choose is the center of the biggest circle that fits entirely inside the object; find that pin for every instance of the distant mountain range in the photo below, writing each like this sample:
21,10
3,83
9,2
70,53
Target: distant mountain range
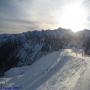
25,48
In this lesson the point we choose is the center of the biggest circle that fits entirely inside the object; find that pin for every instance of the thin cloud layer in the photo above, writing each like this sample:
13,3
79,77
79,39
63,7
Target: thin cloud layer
23,15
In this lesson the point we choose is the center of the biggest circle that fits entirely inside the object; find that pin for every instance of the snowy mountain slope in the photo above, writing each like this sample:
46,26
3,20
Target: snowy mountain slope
56,71
25,48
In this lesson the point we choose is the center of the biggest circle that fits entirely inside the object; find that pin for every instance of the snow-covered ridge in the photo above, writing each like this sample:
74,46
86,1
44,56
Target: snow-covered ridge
25,48
55,71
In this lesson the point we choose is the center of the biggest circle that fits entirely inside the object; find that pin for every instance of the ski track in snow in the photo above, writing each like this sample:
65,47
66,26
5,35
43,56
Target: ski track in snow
84,81
57,71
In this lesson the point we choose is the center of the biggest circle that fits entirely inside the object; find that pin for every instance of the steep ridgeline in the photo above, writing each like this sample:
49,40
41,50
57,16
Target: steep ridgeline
25,48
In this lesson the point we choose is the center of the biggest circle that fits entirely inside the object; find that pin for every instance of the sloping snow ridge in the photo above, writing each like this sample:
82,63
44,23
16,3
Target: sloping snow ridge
59,70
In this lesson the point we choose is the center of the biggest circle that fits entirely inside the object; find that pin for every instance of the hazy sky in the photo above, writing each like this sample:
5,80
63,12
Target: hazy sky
24,15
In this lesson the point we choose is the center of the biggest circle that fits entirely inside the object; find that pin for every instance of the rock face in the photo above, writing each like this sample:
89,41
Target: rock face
26,48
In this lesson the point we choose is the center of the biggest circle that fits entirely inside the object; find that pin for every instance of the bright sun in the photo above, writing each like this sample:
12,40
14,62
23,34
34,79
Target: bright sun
74,17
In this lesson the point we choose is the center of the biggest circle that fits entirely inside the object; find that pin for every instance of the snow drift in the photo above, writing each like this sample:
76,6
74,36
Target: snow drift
56,71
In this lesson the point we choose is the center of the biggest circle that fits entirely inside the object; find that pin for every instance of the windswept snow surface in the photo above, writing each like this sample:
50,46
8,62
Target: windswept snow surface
56,71
84,81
